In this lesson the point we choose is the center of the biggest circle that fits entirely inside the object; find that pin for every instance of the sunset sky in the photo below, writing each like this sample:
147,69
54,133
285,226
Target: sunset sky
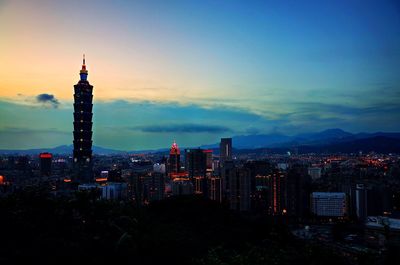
196,71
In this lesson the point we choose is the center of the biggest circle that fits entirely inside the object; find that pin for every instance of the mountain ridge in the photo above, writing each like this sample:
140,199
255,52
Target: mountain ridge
312,141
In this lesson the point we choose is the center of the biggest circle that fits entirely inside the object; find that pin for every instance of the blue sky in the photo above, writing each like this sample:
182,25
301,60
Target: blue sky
196,71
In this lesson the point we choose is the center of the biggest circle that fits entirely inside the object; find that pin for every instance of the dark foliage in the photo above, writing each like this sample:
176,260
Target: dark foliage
37,229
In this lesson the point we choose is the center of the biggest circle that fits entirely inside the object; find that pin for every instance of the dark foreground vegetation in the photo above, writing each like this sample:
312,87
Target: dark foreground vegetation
37,229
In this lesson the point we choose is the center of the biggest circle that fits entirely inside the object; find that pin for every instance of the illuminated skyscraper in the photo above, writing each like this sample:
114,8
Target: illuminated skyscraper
83,99
277,193
174,160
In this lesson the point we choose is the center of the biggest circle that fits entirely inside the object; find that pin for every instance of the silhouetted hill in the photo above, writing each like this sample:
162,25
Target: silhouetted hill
379,144
332,140
281,141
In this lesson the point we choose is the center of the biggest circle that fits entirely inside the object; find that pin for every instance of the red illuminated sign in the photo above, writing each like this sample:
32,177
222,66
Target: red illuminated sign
45,155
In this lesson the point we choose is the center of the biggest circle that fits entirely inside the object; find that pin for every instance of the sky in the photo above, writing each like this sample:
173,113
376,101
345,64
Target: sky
196,71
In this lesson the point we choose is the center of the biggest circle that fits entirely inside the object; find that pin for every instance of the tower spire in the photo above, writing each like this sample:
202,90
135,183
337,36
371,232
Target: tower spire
83,73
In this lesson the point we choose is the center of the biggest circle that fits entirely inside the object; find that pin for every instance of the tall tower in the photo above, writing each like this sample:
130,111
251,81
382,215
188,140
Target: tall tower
225,151
83,99
174,161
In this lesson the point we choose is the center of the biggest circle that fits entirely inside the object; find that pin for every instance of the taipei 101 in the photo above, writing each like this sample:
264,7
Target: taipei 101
200,132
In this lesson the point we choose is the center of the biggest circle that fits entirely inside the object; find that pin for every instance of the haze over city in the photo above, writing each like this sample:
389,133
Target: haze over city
196,71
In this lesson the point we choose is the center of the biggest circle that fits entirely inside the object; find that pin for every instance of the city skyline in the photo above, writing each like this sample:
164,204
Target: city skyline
197,72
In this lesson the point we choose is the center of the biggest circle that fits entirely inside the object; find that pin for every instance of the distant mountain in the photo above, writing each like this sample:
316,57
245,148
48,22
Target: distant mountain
327,134
62,150
254,141
369,135
379,144
323,138
332,140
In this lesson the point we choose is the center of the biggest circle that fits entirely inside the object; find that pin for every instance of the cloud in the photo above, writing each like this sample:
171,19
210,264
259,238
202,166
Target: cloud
123,124
182,128
48,100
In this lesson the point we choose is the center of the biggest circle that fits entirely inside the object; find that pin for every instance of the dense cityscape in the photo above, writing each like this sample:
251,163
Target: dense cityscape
210,133
348,204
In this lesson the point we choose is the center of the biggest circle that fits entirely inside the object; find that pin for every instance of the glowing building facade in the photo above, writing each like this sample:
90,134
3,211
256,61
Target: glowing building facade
83,106
174,160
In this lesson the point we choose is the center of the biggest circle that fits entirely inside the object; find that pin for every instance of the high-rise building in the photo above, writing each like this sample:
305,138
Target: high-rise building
370,198
277,193
239,189
153,187
209,160
114,191
215,188
225,173
226,166
82,153
174,160
259,170
45,164
314,172
196,166
329,204
260,196
361,201
195,162
298,190
225,150
182,186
